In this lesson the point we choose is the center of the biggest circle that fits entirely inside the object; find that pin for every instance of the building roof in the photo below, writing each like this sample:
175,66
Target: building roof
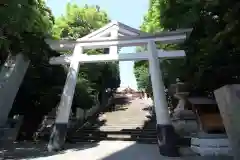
126,89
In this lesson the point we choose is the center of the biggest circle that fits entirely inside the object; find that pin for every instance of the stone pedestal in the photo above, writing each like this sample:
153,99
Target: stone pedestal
185,122
181,96
210,144
228,99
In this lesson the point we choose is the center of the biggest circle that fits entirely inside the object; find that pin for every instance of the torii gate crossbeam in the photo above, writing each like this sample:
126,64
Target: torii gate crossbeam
84,58
102,42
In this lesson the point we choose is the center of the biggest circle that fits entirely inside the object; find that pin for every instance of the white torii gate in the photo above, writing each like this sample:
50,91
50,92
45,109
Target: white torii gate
115,35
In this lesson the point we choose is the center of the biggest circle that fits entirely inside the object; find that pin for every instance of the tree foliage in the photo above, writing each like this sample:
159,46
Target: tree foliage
151,21
151,24
79,21
24,30
19,18
24,26
93,78
212,50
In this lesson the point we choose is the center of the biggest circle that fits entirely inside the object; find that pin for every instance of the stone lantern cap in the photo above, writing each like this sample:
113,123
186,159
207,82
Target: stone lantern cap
179,87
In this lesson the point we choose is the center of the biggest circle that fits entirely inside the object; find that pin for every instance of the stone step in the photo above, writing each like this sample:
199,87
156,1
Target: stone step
122,131
148,140
115,129
122,126
124,136
120,134
113,138
112,135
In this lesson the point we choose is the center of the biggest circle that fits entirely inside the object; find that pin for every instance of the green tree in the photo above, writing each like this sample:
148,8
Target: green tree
143,78
151,21
24,26
19,17
24,31
76,23
212,50
151,24
79,21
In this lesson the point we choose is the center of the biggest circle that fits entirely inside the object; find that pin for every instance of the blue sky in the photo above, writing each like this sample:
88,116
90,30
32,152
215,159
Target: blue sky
129,12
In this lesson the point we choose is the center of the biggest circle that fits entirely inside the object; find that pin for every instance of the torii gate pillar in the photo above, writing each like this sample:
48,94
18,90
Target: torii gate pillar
59,132
166,136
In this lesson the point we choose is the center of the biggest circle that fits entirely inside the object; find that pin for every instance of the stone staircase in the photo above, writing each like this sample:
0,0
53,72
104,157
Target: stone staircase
132,132
93,134
127,129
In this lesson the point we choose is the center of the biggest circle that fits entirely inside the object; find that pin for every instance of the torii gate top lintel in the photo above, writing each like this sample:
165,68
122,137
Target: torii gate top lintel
118,34
123,30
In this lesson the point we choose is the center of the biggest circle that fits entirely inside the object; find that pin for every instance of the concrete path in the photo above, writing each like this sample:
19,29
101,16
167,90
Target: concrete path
104,150
107,150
